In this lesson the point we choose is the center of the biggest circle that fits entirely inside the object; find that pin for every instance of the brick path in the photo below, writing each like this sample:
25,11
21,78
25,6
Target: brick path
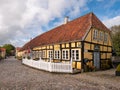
15,76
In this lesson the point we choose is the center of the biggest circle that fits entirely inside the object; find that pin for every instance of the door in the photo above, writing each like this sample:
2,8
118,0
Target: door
97,60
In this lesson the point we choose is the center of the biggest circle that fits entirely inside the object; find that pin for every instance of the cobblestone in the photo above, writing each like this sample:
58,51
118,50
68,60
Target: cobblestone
16,76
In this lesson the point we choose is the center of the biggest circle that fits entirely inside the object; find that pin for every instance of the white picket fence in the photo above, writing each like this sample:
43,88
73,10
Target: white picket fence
49,66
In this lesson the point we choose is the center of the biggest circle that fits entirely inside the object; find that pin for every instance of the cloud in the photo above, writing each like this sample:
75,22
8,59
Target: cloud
112,21
21,20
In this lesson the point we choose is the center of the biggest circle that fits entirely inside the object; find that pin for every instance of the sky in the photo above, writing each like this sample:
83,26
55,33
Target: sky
23,20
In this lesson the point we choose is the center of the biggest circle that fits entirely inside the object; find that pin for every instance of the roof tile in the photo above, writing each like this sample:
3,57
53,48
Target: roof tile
73,30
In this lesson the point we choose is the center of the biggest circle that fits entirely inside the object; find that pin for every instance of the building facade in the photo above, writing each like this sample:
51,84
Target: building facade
2,53
85,41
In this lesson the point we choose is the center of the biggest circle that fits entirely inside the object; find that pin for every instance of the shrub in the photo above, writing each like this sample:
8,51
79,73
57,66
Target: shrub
28,57
36,59
19,57
0,57
118,68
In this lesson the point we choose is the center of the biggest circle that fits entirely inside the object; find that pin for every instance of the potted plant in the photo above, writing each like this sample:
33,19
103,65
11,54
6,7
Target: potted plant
118,70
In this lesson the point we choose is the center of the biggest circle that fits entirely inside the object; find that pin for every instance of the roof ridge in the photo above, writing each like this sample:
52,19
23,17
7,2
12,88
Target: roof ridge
71,31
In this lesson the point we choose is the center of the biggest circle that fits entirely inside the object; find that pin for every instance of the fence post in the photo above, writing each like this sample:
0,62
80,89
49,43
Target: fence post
50,65
40,58
71,65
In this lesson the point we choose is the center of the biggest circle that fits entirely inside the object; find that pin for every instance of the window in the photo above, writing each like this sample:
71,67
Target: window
65,54
95,35
75,55
40,54
105,37
50,53
37,54
101,36
43,54
57,54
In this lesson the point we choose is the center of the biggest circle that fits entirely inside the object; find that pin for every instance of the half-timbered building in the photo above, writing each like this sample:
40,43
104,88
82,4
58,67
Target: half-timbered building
85,42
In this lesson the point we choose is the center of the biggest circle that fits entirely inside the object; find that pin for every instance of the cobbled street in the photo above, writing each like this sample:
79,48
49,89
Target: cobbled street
16,76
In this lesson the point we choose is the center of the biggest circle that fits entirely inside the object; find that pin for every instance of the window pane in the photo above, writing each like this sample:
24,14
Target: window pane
66,54
63,54
77,55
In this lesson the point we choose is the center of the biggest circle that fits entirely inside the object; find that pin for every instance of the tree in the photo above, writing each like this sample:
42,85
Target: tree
9,49
116,38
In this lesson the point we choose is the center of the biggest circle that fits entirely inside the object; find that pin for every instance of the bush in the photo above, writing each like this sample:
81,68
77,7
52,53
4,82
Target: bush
118,68
0,57
117,72
19,57
28,57
36,59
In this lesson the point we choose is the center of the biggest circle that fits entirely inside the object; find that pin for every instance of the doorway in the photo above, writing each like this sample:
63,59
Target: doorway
97,57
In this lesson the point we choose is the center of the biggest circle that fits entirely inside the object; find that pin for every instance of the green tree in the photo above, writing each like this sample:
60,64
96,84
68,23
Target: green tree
10,49
116,38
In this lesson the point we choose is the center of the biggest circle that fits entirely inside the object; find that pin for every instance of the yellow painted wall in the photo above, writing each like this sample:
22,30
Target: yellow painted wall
63,45
73,44
87,46
88,55
79,44
67,45
103,55
57,47
51,47
104,48
89,38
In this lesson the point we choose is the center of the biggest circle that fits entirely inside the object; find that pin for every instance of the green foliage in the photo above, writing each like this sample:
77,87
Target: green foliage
19,57
0,57
28,57
118,68
36,59
116,38
9,49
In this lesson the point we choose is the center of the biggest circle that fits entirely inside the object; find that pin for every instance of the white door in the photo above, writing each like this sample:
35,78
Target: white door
97,60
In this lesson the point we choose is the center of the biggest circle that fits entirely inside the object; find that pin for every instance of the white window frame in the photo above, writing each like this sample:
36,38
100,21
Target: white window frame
65,54
95,34
101,36
37,54
74,55
40,53
57,54
50,54
105,37
43,54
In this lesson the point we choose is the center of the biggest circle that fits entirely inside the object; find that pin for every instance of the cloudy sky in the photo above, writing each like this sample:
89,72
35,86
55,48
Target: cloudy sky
22,20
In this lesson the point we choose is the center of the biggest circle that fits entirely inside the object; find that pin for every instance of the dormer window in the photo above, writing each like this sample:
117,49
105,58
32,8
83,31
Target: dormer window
95,35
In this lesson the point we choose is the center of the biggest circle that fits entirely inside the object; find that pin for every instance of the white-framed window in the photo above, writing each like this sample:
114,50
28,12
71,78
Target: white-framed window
40,53
37,54
105,37
33,54
57,54
101,36
50,54
75,54
65,54
43,54
95,34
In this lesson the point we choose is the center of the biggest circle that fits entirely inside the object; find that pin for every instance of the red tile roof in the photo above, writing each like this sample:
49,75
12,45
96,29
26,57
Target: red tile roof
2,49
72,31
18,48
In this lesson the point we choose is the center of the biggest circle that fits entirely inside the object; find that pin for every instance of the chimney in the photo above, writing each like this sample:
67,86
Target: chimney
66,20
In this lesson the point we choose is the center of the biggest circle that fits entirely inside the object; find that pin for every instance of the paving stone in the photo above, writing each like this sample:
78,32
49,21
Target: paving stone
16,76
